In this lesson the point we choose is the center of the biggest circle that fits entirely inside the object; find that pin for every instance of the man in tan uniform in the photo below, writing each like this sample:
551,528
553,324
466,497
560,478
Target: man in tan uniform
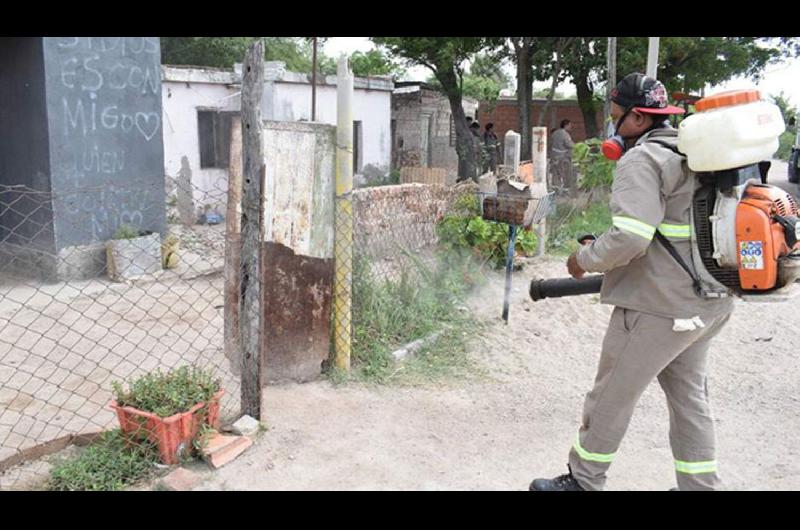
660,327
561,145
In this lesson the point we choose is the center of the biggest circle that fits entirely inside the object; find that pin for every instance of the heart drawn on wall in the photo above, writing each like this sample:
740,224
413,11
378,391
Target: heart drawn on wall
148,124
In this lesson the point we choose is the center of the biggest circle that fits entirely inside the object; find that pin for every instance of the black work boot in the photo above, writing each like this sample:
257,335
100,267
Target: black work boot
561,483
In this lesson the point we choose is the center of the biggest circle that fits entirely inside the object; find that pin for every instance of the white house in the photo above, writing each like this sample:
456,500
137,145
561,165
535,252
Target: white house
198,104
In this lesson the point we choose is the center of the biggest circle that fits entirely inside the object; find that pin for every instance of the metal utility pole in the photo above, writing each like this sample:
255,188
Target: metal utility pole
611,65
652,56
314,81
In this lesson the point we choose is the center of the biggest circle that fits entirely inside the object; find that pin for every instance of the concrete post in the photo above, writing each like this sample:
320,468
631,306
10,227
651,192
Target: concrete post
343,238
652,56
539,154
512,150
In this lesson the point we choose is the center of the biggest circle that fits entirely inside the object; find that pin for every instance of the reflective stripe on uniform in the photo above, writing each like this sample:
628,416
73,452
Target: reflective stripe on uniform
693,468
675,231
634,226
594,457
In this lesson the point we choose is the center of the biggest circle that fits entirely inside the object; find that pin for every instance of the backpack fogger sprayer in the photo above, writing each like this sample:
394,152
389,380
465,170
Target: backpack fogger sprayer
745,232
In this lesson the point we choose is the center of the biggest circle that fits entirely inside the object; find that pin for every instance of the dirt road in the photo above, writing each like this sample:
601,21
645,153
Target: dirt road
516,421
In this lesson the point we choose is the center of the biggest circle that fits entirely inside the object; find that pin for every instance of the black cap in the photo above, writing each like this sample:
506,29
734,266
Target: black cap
643,93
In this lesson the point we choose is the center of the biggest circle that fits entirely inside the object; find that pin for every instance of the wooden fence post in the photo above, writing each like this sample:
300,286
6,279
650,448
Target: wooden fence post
233,248
250,311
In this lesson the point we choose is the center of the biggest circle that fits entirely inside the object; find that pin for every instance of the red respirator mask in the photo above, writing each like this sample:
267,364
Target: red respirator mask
614,147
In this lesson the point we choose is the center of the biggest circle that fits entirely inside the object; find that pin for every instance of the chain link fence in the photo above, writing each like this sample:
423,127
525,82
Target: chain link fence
412,267
75,317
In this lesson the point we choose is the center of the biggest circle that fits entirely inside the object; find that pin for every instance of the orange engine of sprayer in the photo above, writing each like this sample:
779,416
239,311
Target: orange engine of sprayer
759,238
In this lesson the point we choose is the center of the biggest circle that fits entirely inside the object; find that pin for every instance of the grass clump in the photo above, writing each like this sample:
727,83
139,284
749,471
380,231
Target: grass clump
109,464
391,312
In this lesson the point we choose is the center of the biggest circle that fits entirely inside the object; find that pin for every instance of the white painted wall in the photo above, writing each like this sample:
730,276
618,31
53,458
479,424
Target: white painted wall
292,102
181,102
186,90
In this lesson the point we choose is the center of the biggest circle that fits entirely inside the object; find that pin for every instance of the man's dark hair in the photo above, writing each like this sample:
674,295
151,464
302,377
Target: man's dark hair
659,121
489,126
564,123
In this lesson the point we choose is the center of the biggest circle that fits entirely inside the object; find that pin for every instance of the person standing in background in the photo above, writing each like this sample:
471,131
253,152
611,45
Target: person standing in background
491,148
561,145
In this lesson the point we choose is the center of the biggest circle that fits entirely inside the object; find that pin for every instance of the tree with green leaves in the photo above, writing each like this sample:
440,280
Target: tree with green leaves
445,57
483,81
788,110
483,89
375,62
584,65
521,50
490,66
224,52
219,52
535,58
789,113
558,48
686,64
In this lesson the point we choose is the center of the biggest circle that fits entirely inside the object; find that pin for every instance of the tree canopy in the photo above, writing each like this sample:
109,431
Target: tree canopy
688,64
472,66
223,52
446,58
375,62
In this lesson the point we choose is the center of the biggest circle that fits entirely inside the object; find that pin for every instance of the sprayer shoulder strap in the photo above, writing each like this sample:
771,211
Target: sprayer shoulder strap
677,257
672,148
666,242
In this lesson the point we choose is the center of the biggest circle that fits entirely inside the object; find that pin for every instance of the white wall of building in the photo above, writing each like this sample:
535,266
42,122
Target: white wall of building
286,97
181,100
371,107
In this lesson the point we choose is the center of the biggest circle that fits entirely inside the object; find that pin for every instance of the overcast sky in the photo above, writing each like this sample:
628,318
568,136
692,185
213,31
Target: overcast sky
781,77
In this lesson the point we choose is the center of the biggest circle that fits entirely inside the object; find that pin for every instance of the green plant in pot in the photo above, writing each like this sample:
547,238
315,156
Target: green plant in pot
168,409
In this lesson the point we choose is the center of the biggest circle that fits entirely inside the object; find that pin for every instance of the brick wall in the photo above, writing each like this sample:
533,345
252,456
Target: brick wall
387,218
505,116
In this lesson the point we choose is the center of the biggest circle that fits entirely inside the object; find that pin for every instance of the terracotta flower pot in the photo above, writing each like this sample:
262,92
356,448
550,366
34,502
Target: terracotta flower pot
173,435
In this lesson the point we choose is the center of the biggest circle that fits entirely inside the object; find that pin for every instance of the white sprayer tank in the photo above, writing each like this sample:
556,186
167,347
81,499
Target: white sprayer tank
730,129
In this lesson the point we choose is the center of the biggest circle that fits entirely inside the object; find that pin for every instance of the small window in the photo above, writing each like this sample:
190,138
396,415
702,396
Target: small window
357,136
214,135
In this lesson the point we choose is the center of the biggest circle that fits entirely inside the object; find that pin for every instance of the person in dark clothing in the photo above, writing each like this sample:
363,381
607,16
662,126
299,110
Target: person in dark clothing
491,148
